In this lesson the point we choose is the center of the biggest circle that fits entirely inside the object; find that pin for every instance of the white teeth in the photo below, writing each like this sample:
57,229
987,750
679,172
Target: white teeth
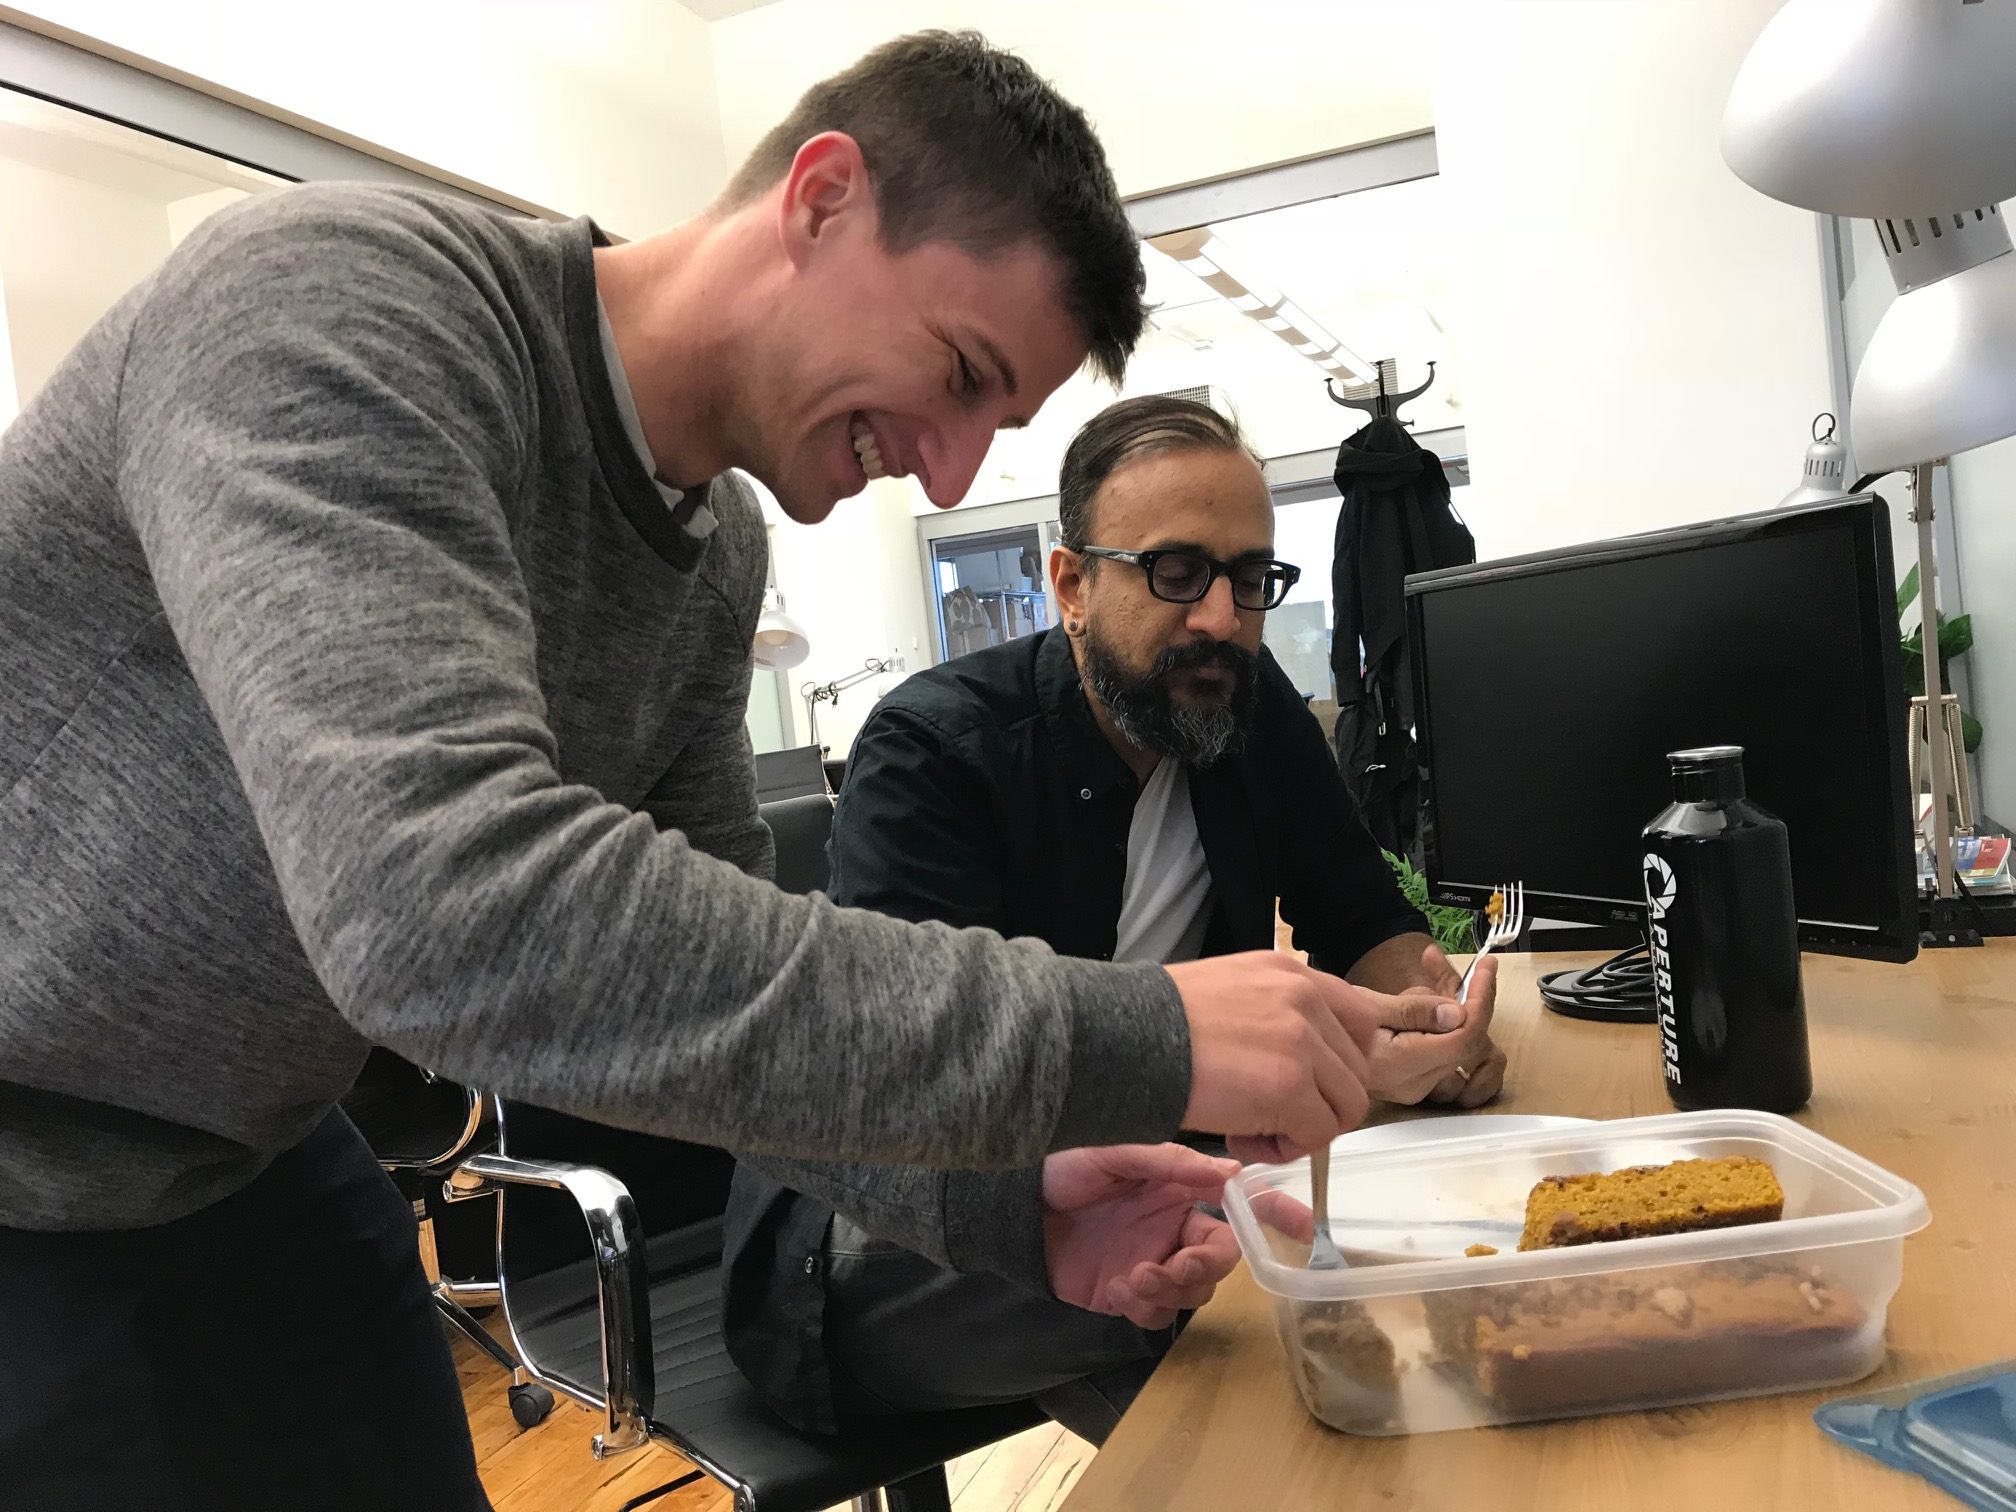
866,449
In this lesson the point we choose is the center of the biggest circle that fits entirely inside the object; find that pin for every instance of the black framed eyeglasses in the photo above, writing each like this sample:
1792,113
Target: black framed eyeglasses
1184,577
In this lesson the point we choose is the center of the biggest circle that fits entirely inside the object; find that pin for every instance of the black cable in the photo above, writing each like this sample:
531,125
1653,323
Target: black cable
1862,483
1619,991
1961,888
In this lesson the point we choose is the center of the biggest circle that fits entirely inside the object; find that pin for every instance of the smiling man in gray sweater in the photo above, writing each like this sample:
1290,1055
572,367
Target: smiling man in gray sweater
375,620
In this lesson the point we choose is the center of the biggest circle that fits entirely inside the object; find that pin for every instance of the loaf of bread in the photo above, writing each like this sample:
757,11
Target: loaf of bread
1642,1200
1595,1342
1347,1369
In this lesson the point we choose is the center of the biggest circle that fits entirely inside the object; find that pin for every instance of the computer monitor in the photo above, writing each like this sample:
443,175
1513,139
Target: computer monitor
1550,688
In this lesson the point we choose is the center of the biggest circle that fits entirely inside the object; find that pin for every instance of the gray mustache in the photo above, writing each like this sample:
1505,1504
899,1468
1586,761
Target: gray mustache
1200,654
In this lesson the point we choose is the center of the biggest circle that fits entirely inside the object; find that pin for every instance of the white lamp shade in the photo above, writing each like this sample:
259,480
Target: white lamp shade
1875,108
780,644
1939,376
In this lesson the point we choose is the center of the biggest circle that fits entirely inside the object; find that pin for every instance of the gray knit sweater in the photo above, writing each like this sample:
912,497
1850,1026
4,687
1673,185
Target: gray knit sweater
355,686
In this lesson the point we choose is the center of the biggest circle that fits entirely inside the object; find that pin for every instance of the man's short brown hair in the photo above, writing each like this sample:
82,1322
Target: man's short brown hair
965,143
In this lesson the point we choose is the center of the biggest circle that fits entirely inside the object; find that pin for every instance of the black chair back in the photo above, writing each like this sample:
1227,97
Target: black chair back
795,773
410,1119
801,828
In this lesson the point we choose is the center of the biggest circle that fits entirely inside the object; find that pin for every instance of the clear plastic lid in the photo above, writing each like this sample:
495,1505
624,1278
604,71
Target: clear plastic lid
1403,1217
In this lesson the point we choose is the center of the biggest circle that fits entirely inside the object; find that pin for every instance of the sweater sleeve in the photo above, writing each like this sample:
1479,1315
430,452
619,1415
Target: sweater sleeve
912,838
324,415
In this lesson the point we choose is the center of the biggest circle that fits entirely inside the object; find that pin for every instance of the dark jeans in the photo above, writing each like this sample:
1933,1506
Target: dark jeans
278,1349
905,1335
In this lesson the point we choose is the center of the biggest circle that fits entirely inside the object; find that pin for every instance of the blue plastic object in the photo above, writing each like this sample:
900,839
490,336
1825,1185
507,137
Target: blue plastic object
1957,1431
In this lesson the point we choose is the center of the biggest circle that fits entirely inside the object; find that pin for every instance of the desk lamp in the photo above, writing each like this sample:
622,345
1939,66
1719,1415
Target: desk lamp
780,643
816,693
1903,112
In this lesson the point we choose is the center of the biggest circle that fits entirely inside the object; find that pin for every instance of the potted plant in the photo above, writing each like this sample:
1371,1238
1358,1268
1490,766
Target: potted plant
1454,929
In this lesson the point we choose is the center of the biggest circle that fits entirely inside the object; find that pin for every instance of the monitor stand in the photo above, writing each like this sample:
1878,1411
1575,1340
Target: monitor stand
1617,992
1952,921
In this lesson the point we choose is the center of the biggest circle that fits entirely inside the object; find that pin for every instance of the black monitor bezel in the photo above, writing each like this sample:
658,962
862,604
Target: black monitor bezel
1894,938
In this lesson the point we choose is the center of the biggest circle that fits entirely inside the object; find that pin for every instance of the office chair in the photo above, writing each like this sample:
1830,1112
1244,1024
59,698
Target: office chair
801,827
609,1270
418,1126
611,1288
789,774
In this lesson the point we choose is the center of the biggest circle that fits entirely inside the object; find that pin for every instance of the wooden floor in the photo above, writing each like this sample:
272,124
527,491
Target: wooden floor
550,1468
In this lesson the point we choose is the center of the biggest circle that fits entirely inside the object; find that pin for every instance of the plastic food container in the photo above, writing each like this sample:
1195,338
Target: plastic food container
1416,1337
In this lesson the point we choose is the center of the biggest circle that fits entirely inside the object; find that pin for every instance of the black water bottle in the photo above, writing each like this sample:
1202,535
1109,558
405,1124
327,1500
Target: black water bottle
1725,943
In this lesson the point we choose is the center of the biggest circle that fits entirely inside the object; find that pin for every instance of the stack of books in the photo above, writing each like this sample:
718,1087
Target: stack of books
1980,861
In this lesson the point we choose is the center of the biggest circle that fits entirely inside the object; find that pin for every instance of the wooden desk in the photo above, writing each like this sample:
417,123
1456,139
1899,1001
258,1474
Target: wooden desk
1915,1068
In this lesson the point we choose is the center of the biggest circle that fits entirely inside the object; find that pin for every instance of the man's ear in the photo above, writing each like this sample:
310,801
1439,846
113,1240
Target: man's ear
825,193
1067,581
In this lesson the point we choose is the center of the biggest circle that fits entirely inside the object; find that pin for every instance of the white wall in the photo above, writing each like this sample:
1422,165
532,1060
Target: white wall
68,249
1180,90
854,583
1643,332
10,394
603,107
189,212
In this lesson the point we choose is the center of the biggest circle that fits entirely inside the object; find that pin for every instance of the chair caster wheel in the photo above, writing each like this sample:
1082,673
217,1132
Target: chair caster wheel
530,1404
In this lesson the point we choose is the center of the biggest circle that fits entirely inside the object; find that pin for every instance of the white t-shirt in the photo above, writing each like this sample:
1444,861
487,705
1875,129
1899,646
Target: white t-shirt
1165,902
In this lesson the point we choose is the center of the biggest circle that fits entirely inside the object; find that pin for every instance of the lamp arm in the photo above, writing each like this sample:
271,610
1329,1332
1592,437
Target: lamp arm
830,691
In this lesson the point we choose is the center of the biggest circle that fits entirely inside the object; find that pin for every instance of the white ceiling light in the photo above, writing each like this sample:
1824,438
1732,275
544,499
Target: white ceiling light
1201,253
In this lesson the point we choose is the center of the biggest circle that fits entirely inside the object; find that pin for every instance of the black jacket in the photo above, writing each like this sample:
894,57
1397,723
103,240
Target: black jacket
980,792
1395,519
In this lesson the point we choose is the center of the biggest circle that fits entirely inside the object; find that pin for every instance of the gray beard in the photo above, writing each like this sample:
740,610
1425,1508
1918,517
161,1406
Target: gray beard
1198,735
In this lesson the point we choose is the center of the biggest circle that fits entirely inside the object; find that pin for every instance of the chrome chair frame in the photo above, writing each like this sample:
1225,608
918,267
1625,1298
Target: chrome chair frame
530,1401
623,1283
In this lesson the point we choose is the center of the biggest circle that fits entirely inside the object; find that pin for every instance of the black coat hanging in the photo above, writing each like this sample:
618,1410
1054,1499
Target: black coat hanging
1395,518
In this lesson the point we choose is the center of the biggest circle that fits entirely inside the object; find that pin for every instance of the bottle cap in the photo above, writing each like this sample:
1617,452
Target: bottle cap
1707,774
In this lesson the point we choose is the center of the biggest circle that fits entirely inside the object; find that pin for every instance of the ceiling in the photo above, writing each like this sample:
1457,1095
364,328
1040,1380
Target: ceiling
1372,267
721,10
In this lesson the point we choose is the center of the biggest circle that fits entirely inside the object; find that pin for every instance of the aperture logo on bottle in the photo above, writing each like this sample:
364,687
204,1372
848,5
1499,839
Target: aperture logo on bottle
1660,885
1661,889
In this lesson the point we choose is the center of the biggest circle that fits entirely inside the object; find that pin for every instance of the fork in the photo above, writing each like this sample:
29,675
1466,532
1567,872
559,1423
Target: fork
1323,1252
1504,930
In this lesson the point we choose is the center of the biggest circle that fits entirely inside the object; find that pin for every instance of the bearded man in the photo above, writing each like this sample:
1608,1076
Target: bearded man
1143,784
